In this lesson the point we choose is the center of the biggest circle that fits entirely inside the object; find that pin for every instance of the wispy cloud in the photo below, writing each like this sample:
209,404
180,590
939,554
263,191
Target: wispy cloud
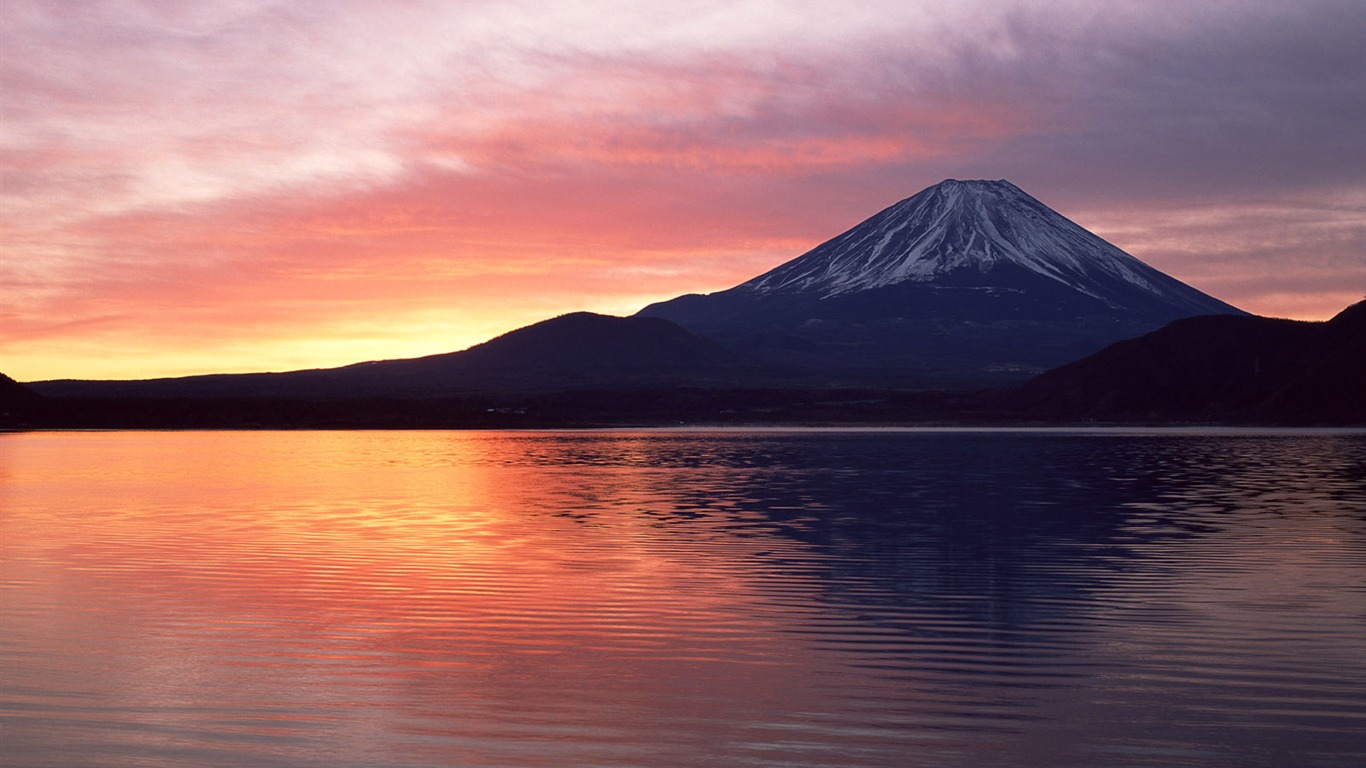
244,179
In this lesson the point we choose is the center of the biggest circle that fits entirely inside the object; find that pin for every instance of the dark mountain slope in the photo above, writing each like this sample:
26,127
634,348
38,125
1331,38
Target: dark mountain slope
1235,369
17,402
967,282
13,393
568,352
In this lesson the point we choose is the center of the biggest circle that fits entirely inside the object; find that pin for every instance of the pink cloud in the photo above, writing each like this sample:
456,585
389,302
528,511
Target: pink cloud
249,176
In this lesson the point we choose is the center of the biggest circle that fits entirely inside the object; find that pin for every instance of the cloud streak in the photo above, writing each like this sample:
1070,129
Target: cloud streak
228,187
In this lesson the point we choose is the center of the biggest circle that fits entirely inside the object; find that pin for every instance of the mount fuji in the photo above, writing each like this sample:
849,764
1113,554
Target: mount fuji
965,283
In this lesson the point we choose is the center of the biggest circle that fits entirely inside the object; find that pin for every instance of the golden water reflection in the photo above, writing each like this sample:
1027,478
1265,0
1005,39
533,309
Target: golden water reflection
342,577
528,599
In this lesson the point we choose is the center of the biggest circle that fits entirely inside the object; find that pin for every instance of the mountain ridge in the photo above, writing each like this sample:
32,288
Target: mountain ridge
575,350
964,283
1207,370
1213,369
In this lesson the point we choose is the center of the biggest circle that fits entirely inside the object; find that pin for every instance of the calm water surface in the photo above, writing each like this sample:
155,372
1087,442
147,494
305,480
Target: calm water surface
700,598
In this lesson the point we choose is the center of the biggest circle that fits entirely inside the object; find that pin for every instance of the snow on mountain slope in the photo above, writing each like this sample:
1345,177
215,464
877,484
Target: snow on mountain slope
971,225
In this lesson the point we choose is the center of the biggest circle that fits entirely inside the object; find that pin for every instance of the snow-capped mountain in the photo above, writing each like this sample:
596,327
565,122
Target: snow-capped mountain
965,281
973,225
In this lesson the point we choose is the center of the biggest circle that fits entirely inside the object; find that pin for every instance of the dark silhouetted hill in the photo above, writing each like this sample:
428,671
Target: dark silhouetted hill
1217,369
18,404
574,351
16,395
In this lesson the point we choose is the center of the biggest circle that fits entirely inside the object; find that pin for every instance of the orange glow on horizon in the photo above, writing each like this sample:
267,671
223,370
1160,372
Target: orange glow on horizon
170,208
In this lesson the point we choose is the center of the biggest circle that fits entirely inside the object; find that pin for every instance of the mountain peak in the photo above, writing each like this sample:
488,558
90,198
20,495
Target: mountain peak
976,230
978,184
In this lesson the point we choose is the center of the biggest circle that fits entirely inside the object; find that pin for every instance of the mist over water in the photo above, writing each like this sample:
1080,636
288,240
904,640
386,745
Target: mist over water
661,598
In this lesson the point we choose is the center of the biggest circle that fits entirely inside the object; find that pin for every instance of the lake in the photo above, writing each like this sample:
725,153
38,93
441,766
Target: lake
683,598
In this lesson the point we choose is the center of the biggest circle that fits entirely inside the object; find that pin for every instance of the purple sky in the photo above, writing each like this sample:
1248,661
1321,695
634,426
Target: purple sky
193,187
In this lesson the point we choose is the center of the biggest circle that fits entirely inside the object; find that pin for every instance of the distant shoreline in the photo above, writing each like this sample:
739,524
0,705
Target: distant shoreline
1112,429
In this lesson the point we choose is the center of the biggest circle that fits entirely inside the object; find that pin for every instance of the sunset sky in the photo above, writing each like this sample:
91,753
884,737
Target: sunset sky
241,185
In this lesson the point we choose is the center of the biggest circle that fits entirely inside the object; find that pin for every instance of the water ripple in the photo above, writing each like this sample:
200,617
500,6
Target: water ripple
683,598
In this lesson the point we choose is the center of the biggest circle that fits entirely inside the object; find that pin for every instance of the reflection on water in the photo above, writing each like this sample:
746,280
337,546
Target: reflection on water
683,598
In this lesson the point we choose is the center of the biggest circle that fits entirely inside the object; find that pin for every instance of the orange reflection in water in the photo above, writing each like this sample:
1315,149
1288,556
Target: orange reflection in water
265,581
764,598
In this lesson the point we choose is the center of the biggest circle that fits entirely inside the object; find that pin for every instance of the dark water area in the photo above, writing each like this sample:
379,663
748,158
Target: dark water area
683,598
